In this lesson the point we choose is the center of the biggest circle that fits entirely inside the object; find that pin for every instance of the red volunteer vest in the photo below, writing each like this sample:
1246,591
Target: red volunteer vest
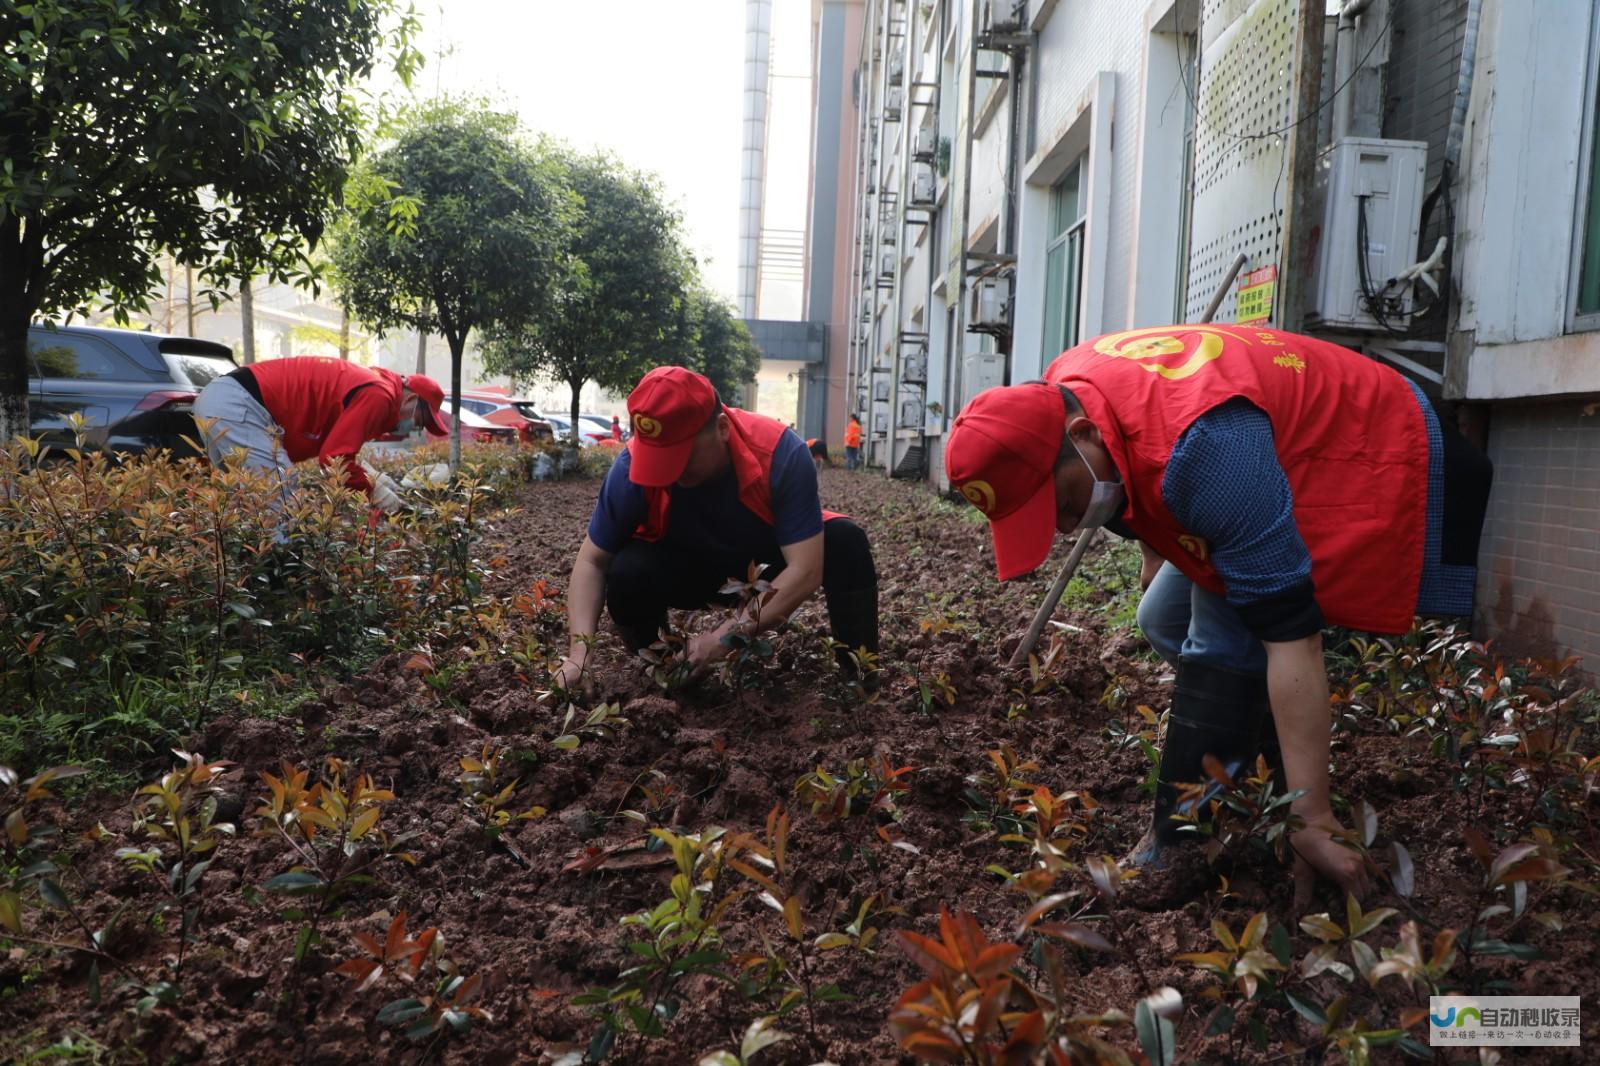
1348,433
751,445
309,396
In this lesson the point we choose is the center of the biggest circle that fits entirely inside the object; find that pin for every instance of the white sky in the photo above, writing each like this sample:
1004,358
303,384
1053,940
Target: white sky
657,82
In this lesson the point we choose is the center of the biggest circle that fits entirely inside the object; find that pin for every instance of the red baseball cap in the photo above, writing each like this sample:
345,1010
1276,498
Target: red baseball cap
428,391
1002,457
668,407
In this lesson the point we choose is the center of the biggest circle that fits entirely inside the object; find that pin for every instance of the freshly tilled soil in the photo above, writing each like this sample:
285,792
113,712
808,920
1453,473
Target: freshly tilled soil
541,933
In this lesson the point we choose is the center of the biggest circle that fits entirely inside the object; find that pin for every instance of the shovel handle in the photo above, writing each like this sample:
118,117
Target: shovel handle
1053,597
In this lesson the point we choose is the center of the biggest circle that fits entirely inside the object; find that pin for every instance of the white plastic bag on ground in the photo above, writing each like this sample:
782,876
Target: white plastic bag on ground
432,474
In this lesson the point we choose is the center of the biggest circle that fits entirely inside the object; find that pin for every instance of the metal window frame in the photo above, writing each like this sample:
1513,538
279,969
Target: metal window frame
1581,321
1071,240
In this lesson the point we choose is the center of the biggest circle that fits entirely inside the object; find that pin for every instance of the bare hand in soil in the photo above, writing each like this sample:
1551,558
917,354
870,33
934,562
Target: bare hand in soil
571,677
1318,851
706,650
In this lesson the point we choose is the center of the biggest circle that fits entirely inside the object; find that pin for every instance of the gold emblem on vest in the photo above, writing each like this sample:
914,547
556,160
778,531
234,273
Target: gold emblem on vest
1195,546
1147,348
1290,362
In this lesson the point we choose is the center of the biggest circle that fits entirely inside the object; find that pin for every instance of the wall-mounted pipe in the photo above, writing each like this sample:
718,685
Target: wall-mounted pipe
1344,66
1458,113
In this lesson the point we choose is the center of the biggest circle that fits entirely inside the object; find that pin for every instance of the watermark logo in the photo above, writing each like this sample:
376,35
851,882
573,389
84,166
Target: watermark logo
1503,1021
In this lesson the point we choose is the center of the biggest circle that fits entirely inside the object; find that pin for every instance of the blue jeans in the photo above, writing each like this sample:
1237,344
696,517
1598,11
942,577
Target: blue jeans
1179,617
852,458
237,429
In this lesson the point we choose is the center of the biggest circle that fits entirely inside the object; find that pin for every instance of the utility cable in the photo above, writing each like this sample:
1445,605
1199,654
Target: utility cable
1240,138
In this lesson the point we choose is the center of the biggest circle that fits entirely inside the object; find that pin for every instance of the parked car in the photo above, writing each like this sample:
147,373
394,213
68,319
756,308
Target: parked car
603,422
588,436
502,410
474,427
134,390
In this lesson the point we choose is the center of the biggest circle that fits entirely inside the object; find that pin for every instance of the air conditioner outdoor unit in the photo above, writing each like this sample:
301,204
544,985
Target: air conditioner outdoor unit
1001,16
880,391
897,67
927,143
1384,179
910,414
980,371
922,184
880,422
991,303
915,368
888,232
892,101
886,265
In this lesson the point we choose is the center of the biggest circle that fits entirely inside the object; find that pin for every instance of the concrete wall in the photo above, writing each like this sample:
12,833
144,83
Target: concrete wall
1519,206
1520,222
1420,81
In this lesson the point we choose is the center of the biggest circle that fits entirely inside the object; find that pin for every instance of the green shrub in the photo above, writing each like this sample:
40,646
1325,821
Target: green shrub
136,596
596,462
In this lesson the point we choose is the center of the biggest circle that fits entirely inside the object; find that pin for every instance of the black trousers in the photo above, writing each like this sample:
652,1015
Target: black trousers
646,578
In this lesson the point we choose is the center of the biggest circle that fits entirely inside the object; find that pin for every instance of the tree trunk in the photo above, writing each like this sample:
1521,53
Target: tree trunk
21,258
188,296
577,430
422,352
14,381
344,333
458,345
247,322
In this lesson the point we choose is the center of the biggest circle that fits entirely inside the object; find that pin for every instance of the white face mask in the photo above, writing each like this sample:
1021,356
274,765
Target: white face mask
1105,500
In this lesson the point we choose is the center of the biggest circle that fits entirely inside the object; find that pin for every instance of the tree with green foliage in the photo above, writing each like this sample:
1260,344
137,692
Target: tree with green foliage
723,349
468,232
219,133
623,296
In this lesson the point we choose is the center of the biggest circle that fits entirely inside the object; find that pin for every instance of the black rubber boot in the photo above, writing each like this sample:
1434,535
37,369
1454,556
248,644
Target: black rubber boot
853,622
1215,711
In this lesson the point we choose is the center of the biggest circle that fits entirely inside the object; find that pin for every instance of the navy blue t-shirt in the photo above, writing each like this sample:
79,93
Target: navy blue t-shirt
709,517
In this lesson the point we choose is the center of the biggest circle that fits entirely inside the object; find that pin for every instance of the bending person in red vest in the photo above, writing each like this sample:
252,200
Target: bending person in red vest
1280,483
284,411
702,491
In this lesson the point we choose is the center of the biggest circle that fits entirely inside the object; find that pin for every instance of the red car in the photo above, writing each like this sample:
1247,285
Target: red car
474,427
501,410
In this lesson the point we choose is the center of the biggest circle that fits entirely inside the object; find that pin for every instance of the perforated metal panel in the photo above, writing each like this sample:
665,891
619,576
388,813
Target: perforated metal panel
1244,104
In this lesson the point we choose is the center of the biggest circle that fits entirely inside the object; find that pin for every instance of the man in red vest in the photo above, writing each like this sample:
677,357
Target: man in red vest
1280,483
283,411
702,491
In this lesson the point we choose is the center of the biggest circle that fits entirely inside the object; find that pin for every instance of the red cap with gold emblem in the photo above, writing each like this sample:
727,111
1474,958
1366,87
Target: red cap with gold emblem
668,407
1002,457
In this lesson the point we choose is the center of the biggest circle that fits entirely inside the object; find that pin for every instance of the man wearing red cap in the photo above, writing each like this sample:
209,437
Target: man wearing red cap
1287,483
702,491
283,411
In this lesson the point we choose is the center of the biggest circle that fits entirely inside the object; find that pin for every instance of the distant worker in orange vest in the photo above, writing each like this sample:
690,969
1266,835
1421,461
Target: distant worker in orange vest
1278,483
701,491
852,443
616,429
